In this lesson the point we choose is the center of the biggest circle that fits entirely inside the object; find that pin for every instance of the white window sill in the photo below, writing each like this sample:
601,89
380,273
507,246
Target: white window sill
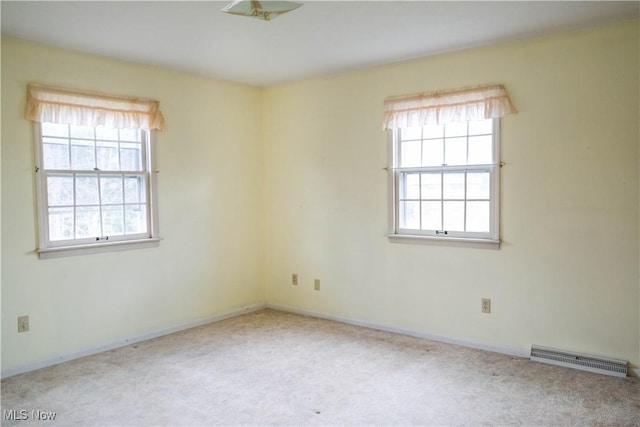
96,248
445,241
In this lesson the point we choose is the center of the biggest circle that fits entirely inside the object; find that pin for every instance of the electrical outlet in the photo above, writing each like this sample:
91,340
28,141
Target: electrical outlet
23,323
316,284
486,305
294,279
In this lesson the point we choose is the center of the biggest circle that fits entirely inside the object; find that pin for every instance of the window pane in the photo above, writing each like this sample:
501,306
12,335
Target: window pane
87,190
453,216
82,155
87,222
106,134
480,150
453,185
478,216
113,220
409,215
60,223
431,186
455,151
134,189
431,216
478,185
434,131
410,186
481,127
410,153
410,133
130,157
432,152
82,132
55,153
54,129
130,135
135,219
108,156
87,195
455,129
111,189
60,190
456,183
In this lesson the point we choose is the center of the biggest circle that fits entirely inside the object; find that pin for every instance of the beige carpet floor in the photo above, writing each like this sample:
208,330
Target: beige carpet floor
274,368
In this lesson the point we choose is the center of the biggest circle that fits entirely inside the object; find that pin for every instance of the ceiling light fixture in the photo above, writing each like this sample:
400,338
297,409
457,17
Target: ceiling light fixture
265,10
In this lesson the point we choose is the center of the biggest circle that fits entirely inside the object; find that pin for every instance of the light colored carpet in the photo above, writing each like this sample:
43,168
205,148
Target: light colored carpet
274,368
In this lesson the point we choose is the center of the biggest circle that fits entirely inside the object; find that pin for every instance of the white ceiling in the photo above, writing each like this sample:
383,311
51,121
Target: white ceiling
321,37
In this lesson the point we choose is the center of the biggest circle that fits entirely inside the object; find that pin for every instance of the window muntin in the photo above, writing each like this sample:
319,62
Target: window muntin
94,184
445,180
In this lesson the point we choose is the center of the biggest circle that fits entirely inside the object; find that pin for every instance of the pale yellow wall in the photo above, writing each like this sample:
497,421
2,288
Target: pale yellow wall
210,187
566,276
567,273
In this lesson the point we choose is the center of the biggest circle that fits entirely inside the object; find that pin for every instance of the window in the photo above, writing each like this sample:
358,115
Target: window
445,164
96,181
445,180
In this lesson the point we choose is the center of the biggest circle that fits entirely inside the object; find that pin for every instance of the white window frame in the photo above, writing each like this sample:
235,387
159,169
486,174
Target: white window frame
53,249
469,239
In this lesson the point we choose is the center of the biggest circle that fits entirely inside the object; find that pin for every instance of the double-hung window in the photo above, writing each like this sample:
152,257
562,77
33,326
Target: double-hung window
445,164
446,180
95,171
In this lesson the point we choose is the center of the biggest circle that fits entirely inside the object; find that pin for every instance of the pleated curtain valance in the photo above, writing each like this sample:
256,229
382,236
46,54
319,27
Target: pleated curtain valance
447,106
75,107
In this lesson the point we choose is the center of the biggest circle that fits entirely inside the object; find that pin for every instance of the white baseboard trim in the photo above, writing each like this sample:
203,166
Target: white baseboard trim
131,340
511,351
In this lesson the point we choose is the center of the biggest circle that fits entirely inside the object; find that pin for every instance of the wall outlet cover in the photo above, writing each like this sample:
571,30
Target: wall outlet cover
23,324
485,306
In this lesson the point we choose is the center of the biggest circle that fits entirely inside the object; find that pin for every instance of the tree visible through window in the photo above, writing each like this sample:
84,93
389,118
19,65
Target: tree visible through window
95,170
96,181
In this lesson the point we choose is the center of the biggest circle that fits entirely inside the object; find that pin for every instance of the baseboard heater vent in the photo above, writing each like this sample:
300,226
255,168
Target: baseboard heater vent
585,362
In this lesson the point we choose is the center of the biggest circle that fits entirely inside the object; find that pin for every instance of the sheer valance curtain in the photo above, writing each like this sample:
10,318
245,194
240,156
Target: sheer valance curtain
75,107
447,106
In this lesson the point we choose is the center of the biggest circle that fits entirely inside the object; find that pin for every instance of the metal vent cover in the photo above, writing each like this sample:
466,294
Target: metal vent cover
585,362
